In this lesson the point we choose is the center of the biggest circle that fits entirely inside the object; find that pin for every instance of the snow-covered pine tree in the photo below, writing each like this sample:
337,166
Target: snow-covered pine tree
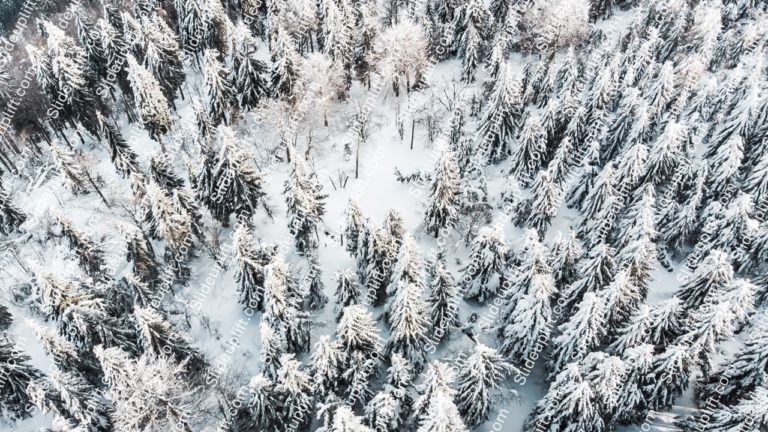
568,405
247,70
123,157
529,322
11,217
175,228
17,373
724,166
147,393
596,271
486,259
409,325
750,413
327,362
251,263
437,382
472,27
442,415
228,182
73,173
667,152
347,291
564,257
443,300
218,89
306,206
709,278
530,149
743,372
283,306
162,173
354,221
90,256
669,376
345,420
152,105
707,326
262,410
81,403
285,63
383,413
499,121
621,298
631,404
580,334
667,321
479,375
442,208
162,55
357,331
140,252
158,338
545,198
338,33
295,387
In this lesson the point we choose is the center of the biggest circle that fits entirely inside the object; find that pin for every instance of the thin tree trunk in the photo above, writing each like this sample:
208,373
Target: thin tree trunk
93,183
357,159
413,129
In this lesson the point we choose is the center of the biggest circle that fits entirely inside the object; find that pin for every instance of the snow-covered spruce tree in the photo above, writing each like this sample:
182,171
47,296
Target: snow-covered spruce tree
17,373
354,221
326,364
162,173
73,173
251,263
472,27
709,278
162,55
408,323
262,410
667,152
568,405
437,382
375,256
345,420
669,376
65,354
89,255
707,326
750,413
314,286
564,257
621,298
756,182
175,228
147,393
285,63
383,412
667,321
442,415
247,70
485,260
408,267
158,338
528,324
443,300
442,209
596,271
11,217
545,198
218,89
724,166
357,332
580,334
499,122
81,403
152,105
368,32
599,194
306,206
123,157
273,346
347,291
140,253
530,149
227,181
744,372
631,405
338,33
479,375
283,307
295,387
